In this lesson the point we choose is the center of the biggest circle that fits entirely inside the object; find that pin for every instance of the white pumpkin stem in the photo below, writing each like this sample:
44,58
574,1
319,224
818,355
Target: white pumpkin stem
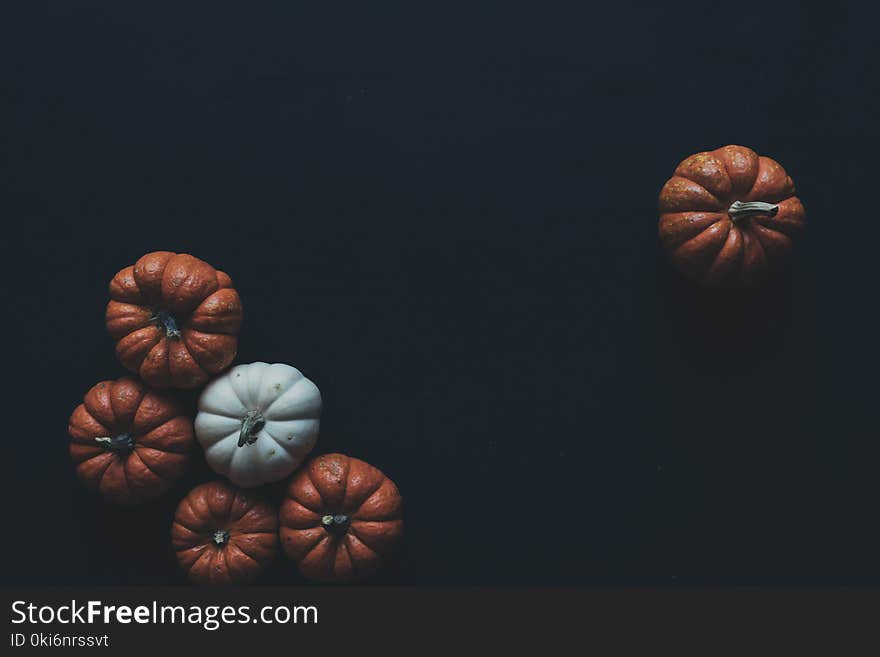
740,210
220,536
251,425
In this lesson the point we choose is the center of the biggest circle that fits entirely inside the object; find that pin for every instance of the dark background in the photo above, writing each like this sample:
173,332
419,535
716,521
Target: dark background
445,215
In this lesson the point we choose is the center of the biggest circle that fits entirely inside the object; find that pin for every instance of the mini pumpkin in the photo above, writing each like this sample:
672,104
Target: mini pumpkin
341,519
258,422
175,318
728,217
223,535
129,443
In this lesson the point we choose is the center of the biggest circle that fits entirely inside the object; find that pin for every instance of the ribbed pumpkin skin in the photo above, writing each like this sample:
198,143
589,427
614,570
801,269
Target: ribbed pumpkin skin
159,433
249,534
698,231
338,485
286,407
175,319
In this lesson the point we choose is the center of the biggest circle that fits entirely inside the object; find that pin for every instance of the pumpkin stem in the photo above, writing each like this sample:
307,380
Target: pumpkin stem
220,536
167,321
251,425
740,210
124,442
336,523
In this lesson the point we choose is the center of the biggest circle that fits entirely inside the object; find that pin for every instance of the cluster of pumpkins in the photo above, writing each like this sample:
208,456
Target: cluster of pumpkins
175,320
727,219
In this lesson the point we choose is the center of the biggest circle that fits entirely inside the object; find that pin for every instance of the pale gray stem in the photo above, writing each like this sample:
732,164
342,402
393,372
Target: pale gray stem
251,425
167,322
122,443
740,210
336,523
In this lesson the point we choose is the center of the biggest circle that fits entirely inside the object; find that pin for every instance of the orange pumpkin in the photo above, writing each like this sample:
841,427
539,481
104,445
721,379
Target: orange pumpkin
341,519
129,443
728,217
224,535
175,318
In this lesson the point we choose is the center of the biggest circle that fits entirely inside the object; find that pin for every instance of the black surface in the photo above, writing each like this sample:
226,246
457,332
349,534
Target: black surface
445,216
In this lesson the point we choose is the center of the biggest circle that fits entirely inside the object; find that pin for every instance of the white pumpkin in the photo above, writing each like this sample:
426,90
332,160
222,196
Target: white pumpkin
258,422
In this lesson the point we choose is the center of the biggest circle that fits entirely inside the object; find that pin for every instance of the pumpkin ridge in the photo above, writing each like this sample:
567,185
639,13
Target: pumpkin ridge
759,249
244,402
85,430
697,182
197,548
178,521
183,538
258,386
672,239
188,557
240,507
255,514
789,208
142,427
183,352
117,390
171,449
279,442
723,154
207,552
257,532
138,273
719,203
390,517
235,546
759,233
323,559
134,452
343,545
375,554
193,316
98,403
193,513
735,233
346,469
356,507
309,534
319,507
127,466
226,512
118,289
156,359
356,534
108,461
698,235
199,355
238,547
345,478
127,496
218,570
293,385
317,490
718,155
